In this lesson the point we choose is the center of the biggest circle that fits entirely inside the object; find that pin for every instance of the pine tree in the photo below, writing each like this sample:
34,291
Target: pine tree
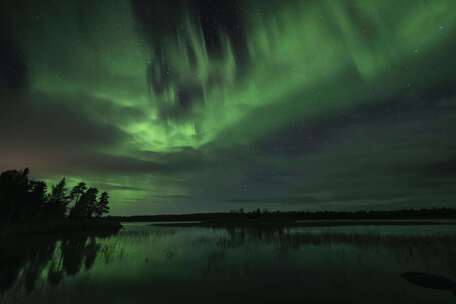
102,205
86,204
76,193
22,198
58,200
37,196
14,190
91,201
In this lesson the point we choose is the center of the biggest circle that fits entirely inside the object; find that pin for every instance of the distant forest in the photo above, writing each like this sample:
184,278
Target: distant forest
268,216
22,198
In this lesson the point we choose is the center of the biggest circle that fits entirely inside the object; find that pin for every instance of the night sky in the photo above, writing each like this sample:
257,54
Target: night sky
207,105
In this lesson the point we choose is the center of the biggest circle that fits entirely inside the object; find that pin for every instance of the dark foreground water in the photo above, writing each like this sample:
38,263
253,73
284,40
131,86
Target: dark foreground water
146,264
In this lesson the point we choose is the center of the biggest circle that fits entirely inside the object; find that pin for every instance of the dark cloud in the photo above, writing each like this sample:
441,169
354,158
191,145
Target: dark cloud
116,187
13,67
42,130
440,168
303,135
278,200
62,122
113,164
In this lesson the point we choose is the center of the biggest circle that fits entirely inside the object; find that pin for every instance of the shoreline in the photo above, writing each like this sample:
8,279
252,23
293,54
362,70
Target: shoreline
306,223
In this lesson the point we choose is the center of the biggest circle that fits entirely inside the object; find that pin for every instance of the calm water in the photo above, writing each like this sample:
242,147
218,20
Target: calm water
147,264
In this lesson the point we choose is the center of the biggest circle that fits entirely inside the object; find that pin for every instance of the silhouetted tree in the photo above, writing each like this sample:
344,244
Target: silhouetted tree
22,198
91,201
78,191
58,200
14,190
86,204
38,196
102,205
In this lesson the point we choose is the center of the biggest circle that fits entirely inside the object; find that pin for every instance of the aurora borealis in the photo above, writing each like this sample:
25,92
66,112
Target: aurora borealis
194,106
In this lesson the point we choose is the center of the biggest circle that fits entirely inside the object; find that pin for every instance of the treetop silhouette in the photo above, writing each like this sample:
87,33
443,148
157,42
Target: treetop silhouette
22,198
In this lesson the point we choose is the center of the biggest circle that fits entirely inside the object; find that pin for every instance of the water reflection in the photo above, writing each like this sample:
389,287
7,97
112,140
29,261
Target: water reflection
247,265
24,261
428,280
405,246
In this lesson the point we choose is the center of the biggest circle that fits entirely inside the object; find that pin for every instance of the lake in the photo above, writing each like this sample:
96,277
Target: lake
166,264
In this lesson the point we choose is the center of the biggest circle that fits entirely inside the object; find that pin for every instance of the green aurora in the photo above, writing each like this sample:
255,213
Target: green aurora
331,105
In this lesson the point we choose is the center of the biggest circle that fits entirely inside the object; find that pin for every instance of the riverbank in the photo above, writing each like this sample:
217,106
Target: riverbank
305,223
256,216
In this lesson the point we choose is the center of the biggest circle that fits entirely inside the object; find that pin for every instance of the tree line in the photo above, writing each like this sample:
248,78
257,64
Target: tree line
268,215
22,198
